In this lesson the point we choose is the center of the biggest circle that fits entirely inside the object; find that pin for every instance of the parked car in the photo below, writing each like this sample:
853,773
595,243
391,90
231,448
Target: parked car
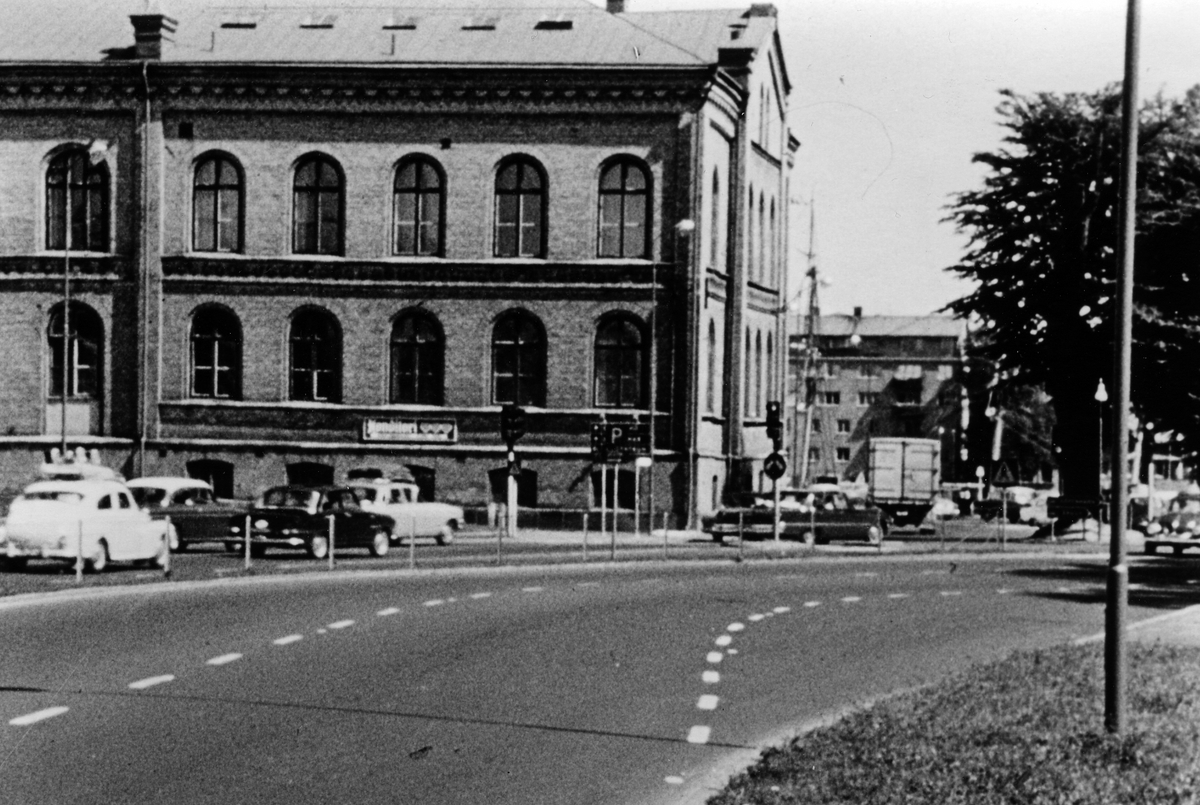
299,517
401,501
814,515
98,519
1178,529
196,514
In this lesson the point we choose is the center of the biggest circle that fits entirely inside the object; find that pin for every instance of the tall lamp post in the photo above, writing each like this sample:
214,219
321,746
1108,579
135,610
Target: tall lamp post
683,230
1101,398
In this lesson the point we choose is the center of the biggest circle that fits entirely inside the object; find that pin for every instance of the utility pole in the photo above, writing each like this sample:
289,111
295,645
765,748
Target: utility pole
806,380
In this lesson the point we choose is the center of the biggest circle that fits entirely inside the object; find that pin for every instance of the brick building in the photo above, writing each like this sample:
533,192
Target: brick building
304,237
875,376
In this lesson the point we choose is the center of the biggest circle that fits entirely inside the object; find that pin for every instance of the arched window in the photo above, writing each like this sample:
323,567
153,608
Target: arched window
417,205
771,391
520,209
758,375
710,397
750,245
317,207
619,363
747,380
84,352
418,359
217,205
315,357
624,210
216,354
772,277
762,240
74,184
714,235
518,360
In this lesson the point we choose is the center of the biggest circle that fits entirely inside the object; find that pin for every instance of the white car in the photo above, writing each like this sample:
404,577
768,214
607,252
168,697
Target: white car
401,501
96,519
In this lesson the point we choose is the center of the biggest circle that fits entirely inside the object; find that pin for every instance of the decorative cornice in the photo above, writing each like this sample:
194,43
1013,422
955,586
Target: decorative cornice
27,268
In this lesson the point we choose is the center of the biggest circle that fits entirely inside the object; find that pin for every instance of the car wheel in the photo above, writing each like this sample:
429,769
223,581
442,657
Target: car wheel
318,547
380,542
718,538
1150,548
1177,550
99,562
809,538
446,535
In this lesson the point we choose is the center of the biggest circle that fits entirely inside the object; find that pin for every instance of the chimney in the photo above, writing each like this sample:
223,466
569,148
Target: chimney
762,10
858,312
150,29
616,6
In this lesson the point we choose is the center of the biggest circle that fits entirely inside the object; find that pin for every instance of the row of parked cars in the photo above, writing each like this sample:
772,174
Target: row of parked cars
84,511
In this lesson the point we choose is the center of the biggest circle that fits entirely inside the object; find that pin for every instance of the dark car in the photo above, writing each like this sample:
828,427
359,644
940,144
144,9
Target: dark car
816,515
302,517
195,512
1178,529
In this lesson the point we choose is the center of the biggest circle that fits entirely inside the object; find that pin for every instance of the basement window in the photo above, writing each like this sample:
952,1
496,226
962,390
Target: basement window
401,24
245,23
481,24
319,21
554,24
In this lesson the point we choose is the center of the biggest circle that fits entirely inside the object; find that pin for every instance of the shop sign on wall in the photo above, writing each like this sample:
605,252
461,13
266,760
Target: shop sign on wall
410,430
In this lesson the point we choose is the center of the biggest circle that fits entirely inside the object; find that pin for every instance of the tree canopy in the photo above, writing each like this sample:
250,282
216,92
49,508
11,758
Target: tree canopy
1043,254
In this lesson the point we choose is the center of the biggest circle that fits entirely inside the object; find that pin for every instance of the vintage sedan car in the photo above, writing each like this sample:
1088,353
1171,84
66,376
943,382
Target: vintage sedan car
196,514
1178,529
95,519
814,516
300,517
402,502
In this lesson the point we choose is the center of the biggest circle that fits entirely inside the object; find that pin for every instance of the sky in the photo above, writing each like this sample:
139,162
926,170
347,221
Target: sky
892,98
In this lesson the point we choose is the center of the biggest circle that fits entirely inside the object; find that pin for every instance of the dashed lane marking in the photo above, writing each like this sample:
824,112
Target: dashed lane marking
710,677
699,734
292,638
436,602
383,613
735,627
481,595
851,599
867,574
811,604
341,624
731,651
532,589
724,640
755,618
781,610
224,659
40,715
1003,591
948,593
897,596
673,779
714,657
151,681
707,702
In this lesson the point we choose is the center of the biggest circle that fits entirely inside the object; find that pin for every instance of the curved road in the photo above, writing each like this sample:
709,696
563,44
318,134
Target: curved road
636,684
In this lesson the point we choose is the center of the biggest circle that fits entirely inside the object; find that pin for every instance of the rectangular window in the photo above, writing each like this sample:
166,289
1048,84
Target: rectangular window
830,398
868,398
843,454
843,426
816,425
867,370
814,454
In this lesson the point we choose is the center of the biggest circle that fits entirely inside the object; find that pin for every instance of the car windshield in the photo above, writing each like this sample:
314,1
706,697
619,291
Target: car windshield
53,495
282,498
148,495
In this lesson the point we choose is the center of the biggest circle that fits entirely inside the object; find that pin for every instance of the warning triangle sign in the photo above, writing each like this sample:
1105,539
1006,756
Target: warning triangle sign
1003,475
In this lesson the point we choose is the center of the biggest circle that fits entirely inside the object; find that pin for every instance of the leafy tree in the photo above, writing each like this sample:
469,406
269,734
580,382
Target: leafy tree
1043,254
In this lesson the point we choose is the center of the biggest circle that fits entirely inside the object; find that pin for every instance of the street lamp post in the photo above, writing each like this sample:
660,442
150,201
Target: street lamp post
1101,398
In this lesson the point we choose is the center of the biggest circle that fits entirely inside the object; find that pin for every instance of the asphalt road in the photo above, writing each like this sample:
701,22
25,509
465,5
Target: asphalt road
644,683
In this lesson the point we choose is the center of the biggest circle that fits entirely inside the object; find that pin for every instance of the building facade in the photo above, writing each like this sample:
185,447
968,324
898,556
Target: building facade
877,376
275,243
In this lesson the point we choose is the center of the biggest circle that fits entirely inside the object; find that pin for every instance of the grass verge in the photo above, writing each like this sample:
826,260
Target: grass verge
1027,729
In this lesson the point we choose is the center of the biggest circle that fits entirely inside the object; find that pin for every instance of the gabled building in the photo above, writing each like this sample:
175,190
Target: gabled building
267,242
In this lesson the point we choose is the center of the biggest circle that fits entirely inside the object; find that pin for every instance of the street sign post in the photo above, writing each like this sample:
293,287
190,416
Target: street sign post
775,466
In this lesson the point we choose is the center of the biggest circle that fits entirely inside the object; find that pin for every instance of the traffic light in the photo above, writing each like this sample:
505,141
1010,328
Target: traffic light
512,423
774,424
